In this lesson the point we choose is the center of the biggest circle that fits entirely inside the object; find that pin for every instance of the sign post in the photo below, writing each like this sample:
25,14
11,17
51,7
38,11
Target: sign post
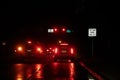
92,32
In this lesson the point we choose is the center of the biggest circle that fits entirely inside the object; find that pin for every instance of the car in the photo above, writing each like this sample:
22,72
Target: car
28,48
64,52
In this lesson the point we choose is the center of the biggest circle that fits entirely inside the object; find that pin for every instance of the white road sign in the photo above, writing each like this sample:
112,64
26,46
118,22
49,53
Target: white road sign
92,32
50,30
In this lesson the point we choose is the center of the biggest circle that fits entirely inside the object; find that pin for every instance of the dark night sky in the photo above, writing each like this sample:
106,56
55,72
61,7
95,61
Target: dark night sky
31,17
34,15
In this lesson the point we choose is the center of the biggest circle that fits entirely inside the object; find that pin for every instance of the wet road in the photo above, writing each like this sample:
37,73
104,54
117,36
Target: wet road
48,71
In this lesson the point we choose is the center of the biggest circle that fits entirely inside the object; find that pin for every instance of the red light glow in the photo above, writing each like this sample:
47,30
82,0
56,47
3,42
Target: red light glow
69,60
47,50
56,50
39,49
55,30
64,44
72,70
38,71
20,48
63,29
71,50
19,78
29,42
53,50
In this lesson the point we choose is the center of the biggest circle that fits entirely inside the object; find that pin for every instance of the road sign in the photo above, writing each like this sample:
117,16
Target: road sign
55,30
68,31
92,32
50,30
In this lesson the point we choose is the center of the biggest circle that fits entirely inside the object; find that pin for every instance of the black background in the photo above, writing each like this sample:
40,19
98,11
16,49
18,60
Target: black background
19,19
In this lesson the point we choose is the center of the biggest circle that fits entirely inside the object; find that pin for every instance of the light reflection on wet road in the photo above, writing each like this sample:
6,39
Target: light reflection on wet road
54,71
51,71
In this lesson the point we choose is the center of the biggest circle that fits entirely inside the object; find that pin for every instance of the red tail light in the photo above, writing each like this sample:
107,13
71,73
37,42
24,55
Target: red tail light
55,30
56,50
29,42
71,50
64,44
63,29
39,50
20,48
47,50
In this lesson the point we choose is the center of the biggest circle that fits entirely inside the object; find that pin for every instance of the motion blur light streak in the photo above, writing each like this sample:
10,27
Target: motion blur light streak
19,79
38,71
19,71
72,70
29,72
38,67
72,65
39,74
29,75
19,67
20,76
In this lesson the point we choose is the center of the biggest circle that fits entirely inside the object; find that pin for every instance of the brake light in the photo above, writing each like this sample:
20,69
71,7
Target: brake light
63,29
47,50
39,50
72,51
65,44
69,60
20,48
55,30
56,50
29,42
